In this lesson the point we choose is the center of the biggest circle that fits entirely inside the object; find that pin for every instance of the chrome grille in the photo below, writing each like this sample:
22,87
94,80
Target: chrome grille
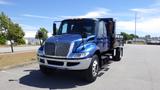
57,49
49,48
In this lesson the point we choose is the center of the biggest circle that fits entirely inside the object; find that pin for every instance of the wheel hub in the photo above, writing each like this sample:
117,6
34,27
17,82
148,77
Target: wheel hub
95,68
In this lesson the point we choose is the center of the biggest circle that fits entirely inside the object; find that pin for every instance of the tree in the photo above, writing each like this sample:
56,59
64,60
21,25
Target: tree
12,31
20,41
42,35
2,39
127,36
15,33
133,36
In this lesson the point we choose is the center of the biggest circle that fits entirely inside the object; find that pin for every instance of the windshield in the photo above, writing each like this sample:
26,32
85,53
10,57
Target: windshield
77,27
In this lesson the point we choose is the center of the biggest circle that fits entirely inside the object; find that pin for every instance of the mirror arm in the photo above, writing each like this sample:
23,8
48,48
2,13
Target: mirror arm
54,28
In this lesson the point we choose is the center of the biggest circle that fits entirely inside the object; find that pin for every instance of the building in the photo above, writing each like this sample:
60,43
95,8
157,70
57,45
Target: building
32,41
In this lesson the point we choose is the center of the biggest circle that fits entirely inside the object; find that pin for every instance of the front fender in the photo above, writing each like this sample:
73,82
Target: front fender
90,47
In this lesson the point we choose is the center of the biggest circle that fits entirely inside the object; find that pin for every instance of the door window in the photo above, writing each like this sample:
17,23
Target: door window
64,28
100,29
104,30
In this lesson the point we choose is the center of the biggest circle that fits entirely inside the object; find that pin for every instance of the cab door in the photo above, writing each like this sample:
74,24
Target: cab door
102,37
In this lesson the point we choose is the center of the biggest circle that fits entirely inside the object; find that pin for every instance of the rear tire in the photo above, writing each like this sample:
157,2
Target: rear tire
92,72
118,54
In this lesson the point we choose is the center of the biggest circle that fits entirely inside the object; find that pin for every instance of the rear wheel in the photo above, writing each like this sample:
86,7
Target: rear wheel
92,72
118,54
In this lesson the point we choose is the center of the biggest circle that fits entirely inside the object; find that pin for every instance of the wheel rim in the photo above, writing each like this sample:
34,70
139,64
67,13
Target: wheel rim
95,68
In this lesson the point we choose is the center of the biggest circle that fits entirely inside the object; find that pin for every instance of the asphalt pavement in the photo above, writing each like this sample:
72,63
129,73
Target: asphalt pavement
139,69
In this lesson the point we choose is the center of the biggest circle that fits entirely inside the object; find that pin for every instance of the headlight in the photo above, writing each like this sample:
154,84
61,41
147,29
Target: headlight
80,55
40,51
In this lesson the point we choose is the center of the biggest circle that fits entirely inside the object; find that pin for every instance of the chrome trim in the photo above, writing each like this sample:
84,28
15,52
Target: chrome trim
85,38
55,56
70,49
55,50
55,47
83,63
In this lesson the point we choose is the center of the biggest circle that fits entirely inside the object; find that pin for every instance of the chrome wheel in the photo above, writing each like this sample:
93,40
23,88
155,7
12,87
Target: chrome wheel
95,68
92,72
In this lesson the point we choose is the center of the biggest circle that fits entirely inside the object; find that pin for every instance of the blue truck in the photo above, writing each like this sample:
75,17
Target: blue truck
81,44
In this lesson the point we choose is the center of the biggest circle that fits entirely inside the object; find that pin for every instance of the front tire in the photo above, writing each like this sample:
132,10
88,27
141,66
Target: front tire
92,72
45,70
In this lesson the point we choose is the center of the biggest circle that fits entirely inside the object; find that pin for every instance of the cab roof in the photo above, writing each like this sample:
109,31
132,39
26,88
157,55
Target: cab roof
95,19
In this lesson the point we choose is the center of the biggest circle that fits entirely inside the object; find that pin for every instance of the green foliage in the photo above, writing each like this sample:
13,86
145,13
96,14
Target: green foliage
10,30
127,36
42,35
2,40
15,32
4,21
20,41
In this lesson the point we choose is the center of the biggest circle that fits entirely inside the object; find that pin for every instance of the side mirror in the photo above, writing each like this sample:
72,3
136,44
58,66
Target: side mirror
54,28
83,33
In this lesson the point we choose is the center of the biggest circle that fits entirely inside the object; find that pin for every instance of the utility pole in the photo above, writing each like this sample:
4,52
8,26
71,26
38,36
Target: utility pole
135,26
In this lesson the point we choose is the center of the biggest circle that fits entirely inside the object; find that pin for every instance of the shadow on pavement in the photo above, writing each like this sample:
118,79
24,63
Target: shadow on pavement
59,80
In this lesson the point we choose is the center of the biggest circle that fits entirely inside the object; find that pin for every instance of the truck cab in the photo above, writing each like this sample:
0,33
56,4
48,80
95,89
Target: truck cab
80,44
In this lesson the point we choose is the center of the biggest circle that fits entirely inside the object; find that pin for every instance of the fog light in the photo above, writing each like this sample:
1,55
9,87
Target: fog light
41,60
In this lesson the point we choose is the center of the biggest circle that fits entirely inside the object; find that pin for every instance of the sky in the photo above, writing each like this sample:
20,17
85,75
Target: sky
33,14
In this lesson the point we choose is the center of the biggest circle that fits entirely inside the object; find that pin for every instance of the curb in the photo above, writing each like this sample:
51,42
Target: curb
17,52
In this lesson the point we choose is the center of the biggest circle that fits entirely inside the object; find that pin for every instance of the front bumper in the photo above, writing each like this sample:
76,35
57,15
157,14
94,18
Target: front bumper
79,64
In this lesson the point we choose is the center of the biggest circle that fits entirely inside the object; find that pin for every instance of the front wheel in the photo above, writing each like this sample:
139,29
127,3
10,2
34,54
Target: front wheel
45,70
92,72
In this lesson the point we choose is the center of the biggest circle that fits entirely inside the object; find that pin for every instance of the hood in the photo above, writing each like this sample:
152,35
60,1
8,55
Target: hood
64,38
69,38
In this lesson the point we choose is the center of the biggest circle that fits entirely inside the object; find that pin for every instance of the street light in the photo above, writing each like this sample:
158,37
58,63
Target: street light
135,25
